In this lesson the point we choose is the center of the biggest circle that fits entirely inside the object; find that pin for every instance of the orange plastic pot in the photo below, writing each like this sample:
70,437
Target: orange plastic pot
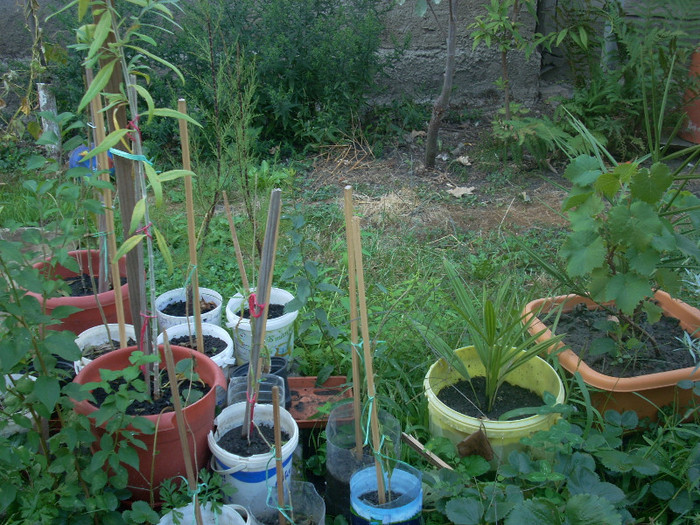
644,394
162,458
691,132
89,315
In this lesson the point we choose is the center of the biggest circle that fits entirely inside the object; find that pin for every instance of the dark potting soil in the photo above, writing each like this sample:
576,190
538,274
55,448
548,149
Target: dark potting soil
182,309
273,311
372,498
460,397
188,390
583,326
235,443
93,351
212,344
81,285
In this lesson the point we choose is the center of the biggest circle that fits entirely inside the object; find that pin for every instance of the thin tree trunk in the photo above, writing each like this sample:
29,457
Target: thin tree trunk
443,100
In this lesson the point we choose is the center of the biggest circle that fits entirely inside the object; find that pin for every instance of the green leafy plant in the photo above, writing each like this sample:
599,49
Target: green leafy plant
632,232
496,329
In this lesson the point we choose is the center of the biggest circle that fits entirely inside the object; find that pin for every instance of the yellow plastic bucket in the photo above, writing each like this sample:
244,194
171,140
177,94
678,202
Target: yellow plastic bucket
535,375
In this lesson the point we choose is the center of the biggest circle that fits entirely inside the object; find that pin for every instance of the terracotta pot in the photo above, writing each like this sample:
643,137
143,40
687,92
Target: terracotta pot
89,315
166,460
644,393
307,398
691,132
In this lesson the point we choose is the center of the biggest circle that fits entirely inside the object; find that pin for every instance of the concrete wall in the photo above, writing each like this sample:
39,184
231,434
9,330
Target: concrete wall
420,71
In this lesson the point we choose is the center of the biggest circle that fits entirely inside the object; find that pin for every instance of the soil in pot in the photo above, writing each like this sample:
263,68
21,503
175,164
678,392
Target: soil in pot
587,330
460,397
81,285
190,391
183,309
94,351
212,344
372,498
261,440
273,311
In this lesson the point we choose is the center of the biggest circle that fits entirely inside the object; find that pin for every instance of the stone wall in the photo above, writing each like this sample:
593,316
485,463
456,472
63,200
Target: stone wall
420,71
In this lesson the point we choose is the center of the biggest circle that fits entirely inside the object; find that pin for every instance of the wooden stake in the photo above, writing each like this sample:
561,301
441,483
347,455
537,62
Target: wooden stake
181,425
103,164
191,237
369,369
258,325
278,451
236,246
352,289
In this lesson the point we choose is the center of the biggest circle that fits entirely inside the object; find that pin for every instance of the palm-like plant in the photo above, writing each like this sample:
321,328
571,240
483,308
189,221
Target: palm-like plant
497,330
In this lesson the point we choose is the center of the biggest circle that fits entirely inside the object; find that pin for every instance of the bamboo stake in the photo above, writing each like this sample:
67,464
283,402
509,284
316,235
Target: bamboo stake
191,237
267,265
369,370
103,163
181,425
352,288
236,246
278,451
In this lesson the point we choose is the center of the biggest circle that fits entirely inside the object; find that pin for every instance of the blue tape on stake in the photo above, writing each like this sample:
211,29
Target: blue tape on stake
130,156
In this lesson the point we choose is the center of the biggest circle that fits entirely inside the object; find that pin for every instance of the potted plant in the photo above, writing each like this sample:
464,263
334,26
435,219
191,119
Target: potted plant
217,342
502,355
631,236
159,456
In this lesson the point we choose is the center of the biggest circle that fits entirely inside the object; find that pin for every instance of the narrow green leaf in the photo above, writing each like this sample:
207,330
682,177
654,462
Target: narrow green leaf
137,215
102,30
98,84
109,141
145,95
155,183
169,175
159,60
82,8
172,113
164,250
127,246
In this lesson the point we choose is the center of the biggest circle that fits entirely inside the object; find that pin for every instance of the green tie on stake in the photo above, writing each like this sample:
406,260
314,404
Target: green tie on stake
259,304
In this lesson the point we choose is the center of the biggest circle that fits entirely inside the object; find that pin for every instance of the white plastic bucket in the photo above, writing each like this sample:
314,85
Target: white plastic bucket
99,335
230,515
224,358
252,477
279,332
166,321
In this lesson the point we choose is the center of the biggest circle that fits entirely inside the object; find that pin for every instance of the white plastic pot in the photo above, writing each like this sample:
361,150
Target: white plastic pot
279,332
173,296
252,476
99,335
230,515
224,358
13,428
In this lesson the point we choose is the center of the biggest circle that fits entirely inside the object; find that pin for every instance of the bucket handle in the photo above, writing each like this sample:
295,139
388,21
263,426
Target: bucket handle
229,470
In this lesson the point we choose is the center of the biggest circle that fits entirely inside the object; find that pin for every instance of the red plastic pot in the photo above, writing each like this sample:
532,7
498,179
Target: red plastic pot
643,393
163,457
89,315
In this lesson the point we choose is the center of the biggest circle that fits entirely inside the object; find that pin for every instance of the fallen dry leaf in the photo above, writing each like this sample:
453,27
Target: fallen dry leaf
462,190
464,160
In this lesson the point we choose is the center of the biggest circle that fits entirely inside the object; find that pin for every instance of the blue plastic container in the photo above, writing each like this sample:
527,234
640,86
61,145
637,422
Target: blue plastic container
406,509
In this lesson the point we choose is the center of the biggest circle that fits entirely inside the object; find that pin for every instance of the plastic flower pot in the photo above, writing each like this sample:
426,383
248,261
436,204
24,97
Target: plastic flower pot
162,458
89,314
252,476
99,335
691,131
342,460
405,508
279,331
166,321
535,375
224,358
302,503
279,366
230,515
644,394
